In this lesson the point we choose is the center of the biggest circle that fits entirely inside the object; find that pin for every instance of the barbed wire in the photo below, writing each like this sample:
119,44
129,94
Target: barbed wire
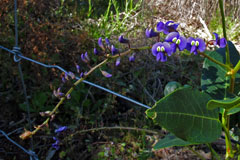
18,56
31,153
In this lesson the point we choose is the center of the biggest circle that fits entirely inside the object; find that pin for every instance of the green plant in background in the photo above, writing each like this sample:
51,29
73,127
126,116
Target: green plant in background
232,26
114,20
89,8
39,103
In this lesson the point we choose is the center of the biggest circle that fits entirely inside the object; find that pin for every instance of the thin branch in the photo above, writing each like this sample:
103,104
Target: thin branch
115,128
28,134
215,61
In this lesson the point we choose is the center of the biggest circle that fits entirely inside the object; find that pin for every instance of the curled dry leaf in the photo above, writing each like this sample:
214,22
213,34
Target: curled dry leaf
27,134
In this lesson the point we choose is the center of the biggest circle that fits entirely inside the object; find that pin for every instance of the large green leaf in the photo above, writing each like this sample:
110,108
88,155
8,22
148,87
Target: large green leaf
213,75
170,141
184,113
227,104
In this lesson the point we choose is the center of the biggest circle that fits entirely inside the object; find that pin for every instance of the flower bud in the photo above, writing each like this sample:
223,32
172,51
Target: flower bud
150,33
71,75
123,40
78,68
106,74
100,43
95,51
132,57
107,42
114,50
118,61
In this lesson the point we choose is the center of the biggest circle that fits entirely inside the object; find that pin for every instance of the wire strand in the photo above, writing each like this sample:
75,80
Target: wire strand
84,81
29,152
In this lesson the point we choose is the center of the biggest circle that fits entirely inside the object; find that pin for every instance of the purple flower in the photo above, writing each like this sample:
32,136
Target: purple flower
132,57
123,40
60,129
63,79
150,33
66,76
71,74
78,68
100,43
58,93
161,50
56,145
106,74
220,42
167,27
95,51
81,75
68,96
107,42
114,50
118,61
177,41
85,57
195,44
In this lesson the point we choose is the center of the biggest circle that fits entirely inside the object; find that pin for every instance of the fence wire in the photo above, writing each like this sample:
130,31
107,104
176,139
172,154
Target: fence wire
31,153
18,56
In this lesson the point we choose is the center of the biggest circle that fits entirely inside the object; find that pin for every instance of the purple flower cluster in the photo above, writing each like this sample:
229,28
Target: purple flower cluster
169,44
168,27
85,58
107,47
174,41
57,93
56,144
219,42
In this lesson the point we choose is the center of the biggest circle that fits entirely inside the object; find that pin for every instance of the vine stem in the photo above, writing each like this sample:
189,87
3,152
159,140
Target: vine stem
28,134
216,61
225,122
224,32
225,117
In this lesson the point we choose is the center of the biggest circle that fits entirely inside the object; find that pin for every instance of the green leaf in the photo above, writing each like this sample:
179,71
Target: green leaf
184,113
227,104
23,106
213,75
170,141
231,112
39,99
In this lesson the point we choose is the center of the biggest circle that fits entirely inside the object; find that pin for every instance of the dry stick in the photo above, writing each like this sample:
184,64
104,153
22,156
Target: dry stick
111,128
205,27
